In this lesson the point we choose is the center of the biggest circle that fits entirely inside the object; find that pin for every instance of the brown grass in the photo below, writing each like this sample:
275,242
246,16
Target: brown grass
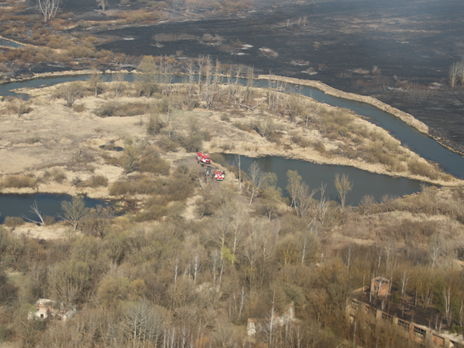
19,181
121,109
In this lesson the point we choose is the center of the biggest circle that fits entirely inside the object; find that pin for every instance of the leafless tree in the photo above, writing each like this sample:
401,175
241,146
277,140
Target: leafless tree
343,186
447,303
436,246
74,211
144,324
257,178
48,8
19,106
191,78
301,195
37,213
293,186
118,84
95,83
146,79
70,93
323,205
456,74
404,282
102,4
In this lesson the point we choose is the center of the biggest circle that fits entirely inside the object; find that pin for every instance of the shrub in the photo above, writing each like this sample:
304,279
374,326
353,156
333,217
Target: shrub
20,181
118,109
423,169
56,175
18,106
155,208
167,144
178,188
319,146
96,222
13,221
134,185
59,176
69,92
5,333
139,157
300,141
79,108
112,289
106,110
155,124
243,126
77,181
96,181
225,118
151,162
192,142
267,128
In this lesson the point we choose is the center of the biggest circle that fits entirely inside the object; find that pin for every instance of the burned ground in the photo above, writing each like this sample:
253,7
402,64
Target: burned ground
397,52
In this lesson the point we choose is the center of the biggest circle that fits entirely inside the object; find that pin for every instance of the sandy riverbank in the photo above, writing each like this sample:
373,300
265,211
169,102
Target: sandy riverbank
52,136
404,116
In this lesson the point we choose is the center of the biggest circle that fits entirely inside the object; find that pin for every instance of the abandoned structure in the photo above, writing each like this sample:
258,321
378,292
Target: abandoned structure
372,304
380,287
256,326
49,309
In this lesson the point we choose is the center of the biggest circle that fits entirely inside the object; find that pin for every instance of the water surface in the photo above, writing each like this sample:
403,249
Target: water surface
20,205
418,142
364,183
8,43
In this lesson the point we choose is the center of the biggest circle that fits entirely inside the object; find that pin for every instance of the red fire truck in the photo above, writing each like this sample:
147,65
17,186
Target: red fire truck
203,158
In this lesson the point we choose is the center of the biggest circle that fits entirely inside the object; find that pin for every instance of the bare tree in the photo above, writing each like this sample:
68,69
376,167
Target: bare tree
118,84
19,106
293,186
456,74
48,8
447,303
257,178
102,4
436,248
143,324
70,92
74,211
146,79
37,213
323,205
404,282
343,186
95,83
300,194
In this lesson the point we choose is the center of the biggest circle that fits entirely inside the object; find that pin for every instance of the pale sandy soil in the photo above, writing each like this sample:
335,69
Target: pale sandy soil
55,231
53,136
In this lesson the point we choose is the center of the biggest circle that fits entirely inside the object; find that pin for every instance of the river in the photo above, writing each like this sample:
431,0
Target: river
314,175
365,183
20,205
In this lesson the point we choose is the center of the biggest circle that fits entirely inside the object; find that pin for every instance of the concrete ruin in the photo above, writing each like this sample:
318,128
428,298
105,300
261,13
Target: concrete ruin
277,320
371,304
50,309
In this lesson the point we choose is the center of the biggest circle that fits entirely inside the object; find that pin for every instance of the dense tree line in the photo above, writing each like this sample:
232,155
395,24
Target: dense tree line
191,283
